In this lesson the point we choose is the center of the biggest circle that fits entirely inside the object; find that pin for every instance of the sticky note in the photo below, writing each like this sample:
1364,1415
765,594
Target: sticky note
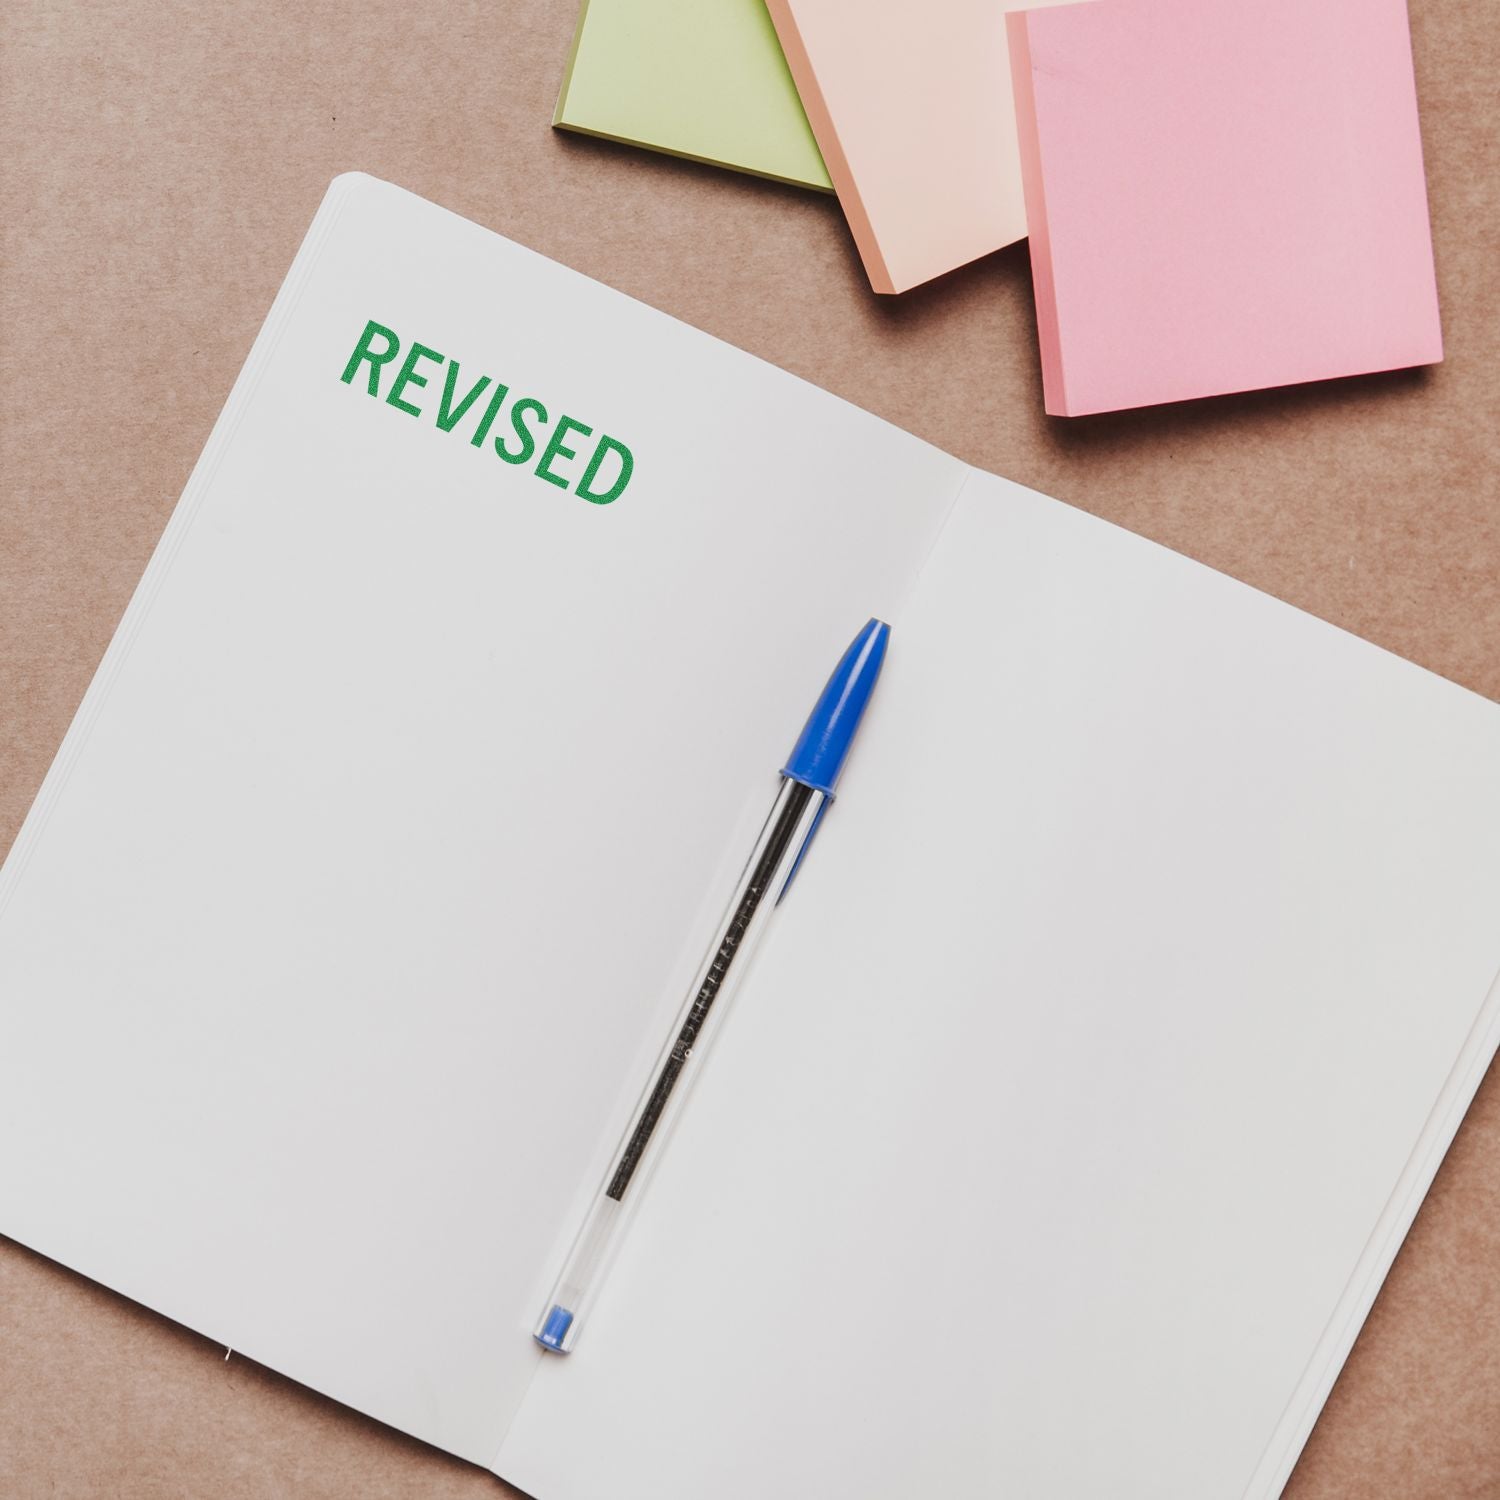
703,79
912,108
1221,196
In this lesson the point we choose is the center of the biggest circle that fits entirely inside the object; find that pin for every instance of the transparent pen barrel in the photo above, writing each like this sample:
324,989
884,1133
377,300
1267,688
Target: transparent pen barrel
764,878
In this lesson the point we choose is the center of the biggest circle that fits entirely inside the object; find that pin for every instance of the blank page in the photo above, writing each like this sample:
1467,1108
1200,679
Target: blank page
1102,1052
377,849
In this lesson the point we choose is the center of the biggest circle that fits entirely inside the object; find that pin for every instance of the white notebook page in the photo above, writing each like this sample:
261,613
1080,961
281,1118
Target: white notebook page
1136,965
380,853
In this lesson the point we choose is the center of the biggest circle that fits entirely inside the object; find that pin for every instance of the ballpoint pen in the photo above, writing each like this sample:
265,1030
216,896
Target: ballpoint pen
807,786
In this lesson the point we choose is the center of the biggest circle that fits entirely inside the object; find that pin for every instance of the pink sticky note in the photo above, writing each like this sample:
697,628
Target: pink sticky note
1221,196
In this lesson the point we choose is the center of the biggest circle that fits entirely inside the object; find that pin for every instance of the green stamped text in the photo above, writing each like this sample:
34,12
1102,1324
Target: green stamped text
424,383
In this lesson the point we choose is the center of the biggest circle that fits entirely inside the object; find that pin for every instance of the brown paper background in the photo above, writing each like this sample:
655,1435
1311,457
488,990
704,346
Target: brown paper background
161,162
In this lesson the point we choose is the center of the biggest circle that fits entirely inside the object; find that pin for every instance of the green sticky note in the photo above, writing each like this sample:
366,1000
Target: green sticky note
698,78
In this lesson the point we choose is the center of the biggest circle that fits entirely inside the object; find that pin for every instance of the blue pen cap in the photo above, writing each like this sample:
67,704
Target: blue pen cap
823,747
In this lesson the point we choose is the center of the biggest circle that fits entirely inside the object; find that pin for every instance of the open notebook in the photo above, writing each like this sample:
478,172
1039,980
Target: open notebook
1078,1100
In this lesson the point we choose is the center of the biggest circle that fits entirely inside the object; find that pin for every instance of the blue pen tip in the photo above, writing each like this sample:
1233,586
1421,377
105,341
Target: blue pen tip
555,1329
820,753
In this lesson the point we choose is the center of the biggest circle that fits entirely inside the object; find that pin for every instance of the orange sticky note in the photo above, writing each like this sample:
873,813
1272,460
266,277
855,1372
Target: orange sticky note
913,113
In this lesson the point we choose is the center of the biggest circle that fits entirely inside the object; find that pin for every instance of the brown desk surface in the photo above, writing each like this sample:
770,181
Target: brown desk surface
162,161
